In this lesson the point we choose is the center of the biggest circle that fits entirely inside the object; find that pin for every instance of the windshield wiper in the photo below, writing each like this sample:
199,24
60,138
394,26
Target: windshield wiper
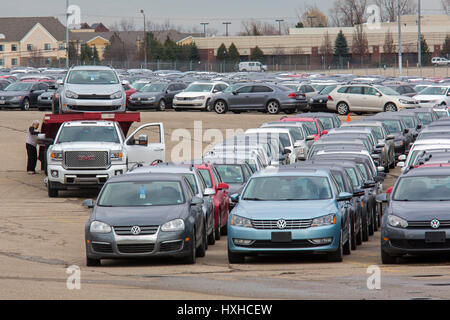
254,199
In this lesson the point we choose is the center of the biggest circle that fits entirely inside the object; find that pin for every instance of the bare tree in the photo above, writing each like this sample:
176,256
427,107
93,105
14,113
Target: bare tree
326,49
389,47
347,13
258,28
445,5
312,16
360,45
389,8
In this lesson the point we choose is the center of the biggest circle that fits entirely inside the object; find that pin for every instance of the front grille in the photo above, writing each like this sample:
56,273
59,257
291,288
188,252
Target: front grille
267,244
94,97
126,231
419,244
136,248
171,246
290,224
86,159
95,108
427,224
102,247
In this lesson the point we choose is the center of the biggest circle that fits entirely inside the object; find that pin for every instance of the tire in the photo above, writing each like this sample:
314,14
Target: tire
337,256
224,230
220,107
371,220
353,239
359,237
190,259
376,219
162,105
387,259
52,192
212,237
342,108
273,107
235,257
201,251
26,104
390,107
365,229
217,230
347,246
289,111
93,262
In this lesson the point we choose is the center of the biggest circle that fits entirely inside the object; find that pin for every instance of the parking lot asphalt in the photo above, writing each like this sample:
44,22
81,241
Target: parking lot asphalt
40,237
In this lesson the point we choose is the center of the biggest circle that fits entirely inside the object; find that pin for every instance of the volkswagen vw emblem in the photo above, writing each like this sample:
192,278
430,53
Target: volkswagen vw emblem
135,230
435,223
281,224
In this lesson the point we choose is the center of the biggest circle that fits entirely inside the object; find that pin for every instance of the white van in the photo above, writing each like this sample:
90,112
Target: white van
440,61
252,66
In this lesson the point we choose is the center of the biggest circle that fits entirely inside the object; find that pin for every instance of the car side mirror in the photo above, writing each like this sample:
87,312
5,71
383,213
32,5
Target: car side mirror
59,82
389,190
196,201
234,197
402,157
287,151
378,94
369,184
234,93
419,126
324,132
390,137
209,192
143,140
309,138
406,130
88,203
358,192
380,169
223,186
381,145
297,144
344,196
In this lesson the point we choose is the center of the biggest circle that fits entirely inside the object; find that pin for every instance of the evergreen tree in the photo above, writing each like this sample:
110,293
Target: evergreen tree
170,50
73,53
233,54
115,51
155,50
86,54
340,49
222,53
95,56
446,47
426,54
194,55
257,54
300,25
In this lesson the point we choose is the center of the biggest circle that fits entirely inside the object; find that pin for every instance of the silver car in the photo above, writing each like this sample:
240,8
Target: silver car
91,89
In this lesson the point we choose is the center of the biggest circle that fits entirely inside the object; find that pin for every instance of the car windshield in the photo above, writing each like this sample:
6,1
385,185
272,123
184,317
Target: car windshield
88,134
311,126
233,87
388,91
440,134
284,188
434,91
409,121
441,113
191,179
393,126
154,87
425,117
423,188
141,194
92,77
19,86
327,89
139,85
352,174
206,177
195,87
230,173
327,123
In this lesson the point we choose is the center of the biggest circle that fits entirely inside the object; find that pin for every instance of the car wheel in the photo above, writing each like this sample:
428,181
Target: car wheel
273,107
235,257
353,239
162,105
52,193
93,262
347,246
337,256
190,259
224,230
177,109
26,104
388,259
201,251
342,108
212,237
390,107
365,229
220,107
371,222
217,231
359,237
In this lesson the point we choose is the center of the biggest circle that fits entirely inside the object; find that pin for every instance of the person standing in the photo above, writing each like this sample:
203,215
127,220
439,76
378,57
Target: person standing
31,144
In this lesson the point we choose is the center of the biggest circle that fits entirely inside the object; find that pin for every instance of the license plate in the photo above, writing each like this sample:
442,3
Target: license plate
2,101
281,236
435,237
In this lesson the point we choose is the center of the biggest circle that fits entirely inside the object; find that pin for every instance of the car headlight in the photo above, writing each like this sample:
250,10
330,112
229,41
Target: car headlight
151,99
397,222
239,221
71,95
311,100
116,95
57,155
174,225
324,220
399,143
100,227
17,98
200,98
403,101
116,155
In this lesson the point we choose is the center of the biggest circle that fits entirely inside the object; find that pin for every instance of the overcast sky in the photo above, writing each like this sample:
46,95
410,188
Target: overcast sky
185,13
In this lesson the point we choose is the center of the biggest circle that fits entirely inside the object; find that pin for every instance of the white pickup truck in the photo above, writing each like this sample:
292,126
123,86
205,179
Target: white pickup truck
86,153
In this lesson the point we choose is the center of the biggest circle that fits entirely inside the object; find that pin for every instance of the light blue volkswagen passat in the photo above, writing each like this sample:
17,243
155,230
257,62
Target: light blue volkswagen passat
289,211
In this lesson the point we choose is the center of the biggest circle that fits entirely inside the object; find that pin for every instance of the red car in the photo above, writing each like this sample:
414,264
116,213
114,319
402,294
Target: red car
315,127
221,199
129,91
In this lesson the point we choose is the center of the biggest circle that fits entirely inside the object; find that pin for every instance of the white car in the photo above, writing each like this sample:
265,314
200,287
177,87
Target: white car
416,150
440,61
252,66
434,95
197,95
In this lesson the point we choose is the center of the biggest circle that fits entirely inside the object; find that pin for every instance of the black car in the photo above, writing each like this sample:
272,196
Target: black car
416,216
45,100
403,89
319,102
139,216
426,115
328,120
157,96
23,94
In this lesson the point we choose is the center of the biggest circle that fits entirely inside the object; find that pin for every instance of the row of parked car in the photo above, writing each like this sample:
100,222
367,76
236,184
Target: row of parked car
95,88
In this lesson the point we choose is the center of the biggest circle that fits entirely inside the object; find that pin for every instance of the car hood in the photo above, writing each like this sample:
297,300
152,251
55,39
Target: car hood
420,210
94,146
320,96
129,216
7,94
98,89
285,209
428,97
145,94
235,188
193,94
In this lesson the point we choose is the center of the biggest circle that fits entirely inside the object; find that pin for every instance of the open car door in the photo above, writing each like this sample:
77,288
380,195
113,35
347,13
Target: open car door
146,145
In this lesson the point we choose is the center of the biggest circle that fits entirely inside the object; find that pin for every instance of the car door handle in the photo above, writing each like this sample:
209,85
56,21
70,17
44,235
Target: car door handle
159,149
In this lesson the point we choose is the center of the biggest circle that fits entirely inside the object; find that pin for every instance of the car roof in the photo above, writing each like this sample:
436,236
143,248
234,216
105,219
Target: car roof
166,168
428,171
291,171
145,177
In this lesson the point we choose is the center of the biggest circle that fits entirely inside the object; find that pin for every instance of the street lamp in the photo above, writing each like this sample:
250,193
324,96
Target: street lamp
145,40
279,24
204,24
226,24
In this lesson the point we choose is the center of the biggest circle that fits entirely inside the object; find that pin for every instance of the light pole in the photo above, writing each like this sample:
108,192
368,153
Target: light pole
226,25
419,42
204,24
145,41
310,20
67,34
399,40
279,25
